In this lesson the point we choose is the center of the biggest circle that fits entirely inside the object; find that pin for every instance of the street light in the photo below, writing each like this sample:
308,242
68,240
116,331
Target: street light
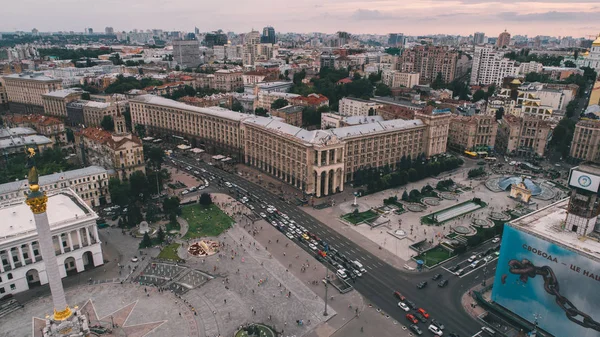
326,287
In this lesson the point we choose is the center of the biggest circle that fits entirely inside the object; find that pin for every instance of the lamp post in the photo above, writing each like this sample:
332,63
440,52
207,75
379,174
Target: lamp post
326,287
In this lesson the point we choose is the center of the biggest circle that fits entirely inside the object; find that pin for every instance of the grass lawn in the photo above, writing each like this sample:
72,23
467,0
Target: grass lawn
434,256
359,217
169,252
205,220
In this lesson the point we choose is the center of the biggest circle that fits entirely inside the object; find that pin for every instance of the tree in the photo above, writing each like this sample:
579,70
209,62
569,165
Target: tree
171,205
160,235
570,64
393,51
371,112
310,116
146,241
205,199
491,91
413,175
499,113
138,185
298,77
155,155
108,124
85,96
375,77
571,108
177,68
405,196
260,112
438,83
478,95
134,215
140,129
356,76
279,103
237,106
119,192
382,90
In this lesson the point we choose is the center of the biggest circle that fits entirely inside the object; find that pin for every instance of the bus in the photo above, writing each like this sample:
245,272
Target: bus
482,154
490,159
470,154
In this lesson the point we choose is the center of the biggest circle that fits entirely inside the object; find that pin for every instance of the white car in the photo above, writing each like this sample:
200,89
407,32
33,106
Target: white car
285,216
263,215
251,207
403,306
228,184
341,273
134,259
472,258
274,223
435,330
290,236
312,246
496,240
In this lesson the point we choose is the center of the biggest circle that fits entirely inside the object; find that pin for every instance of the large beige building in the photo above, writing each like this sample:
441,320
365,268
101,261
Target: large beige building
94,112
229,79
25,91
472,133
55,102
395,79
319,162
265,99
522,136
350,106
429,61
586,141
3,96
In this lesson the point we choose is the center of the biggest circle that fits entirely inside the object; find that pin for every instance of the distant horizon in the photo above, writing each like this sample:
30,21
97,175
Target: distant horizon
411,17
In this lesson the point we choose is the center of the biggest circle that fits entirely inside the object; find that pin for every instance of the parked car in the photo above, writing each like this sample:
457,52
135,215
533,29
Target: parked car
411,318
454,268
341,273
443,283
438,324
399,296
436,277
421,318
403,306
472,258
435,330
416,329
423,312
422,285
411,304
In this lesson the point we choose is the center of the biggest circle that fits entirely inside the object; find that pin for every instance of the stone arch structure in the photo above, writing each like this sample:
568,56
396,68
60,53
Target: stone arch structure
88,260
33,278
71,265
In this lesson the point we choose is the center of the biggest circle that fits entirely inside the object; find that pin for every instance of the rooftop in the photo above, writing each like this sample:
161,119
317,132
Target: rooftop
23,140
157,100
354,120
33,77
64,93
377,127
16,132
53,178
547,223
358,100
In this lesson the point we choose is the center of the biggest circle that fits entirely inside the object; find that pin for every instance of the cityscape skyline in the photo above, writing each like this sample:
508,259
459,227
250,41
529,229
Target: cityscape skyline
453,17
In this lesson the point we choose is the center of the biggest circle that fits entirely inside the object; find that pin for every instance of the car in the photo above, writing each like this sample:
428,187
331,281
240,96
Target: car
423,312
203,170
312,246
421,318
399,296
184,192
436,277
411,304
496,240
251,207
263,215
411,318
472,258
416,329
443,283
289,235
356,272
134,259
228,184
403,306
341,273
422,285
196,172
488,258
460,272
359,266
454,268
305,237
438,324
476,264
435,330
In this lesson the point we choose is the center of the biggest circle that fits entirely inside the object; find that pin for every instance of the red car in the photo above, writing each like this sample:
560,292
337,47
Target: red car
399,296
412,319
423,312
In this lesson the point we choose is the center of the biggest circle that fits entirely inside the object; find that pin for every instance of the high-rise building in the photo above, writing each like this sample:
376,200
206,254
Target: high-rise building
491,67
268,35
537,42
251,43
503,39
522,136
215,39
478,38
428,61
187,53
90,31
25,91
586,141
109,31
396,39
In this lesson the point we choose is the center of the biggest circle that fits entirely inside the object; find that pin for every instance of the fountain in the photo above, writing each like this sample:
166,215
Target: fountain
203,248
144,228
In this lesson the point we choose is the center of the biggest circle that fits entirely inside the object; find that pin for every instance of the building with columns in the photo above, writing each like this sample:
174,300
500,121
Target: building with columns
55,102
317,162
74,235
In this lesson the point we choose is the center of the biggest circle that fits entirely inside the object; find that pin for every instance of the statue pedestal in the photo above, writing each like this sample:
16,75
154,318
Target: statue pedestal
75,325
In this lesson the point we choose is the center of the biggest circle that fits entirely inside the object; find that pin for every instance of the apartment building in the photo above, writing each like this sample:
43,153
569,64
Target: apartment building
120,151
555,96
317,162
74,233
350,106
222,100
94,112
50,127
428,61
264,99
3,96
229,79
491,67
525,136
291,114
395,79
586,141
472,133
25,90
530,67
55,102
90,184
187,53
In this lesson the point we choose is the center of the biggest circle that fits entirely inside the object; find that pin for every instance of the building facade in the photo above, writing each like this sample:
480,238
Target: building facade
229,79
25,91
491,67
395,79
503,39
525,136
350,106
474,133
50,127
74,234
428,61
187,53
55,102
94,112
585,145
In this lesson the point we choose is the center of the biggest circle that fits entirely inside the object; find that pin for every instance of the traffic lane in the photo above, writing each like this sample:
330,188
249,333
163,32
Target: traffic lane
389,277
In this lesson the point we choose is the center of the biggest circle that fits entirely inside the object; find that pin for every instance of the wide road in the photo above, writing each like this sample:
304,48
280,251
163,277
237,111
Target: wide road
381,279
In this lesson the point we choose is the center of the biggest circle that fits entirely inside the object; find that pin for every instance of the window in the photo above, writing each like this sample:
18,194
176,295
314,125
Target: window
9,276
13,287
2,291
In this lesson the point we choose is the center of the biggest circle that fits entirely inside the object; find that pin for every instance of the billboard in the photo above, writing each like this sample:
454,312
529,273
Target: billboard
584,180
557,285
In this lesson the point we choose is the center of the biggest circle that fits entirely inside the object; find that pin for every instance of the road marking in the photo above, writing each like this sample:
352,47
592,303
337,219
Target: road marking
370,267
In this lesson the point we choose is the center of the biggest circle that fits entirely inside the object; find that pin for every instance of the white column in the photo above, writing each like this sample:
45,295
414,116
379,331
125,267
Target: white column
47,247
70,240
60,244
30,245
1,264
10,260
79,238
87,234
96,233
326,190
335,182
318,191
21,256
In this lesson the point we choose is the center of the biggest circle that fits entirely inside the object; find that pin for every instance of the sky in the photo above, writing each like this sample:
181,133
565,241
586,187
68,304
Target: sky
577,18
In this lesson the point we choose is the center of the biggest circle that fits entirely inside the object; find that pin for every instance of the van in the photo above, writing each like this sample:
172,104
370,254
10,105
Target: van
488,331
341,273
359,266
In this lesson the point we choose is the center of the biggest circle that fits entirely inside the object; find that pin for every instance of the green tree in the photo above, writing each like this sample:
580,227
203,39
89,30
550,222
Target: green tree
107,123
237,106
119,192
160,235
571,108
356,76
393,51
279,103
490,92
138,185
375,77
382,90
478,95
146,241
177,68
140,129
371,112
171,205
413,175
298,77
205,199
570,64
260,112
134,215
405,196
499,113
70,135
155,155
85,95
438,83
